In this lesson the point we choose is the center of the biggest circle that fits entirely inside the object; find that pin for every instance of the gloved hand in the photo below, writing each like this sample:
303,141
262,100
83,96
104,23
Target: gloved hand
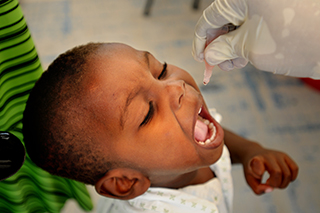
279,36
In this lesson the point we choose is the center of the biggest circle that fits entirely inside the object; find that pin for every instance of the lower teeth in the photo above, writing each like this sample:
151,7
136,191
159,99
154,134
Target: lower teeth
213,130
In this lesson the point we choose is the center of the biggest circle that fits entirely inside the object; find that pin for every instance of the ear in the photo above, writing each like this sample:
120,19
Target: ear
122,183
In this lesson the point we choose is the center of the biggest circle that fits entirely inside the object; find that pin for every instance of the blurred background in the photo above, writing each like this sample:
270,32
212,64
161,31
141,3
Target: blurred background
277,111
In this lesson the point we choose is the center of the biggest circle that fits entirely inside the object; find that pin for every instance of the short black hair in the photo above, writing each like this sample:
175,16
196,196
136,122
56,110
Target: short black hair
57,126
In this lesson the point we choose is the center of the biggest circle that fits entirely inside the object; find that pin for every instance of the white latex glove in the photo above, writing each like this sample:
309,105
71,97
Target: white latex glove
279,36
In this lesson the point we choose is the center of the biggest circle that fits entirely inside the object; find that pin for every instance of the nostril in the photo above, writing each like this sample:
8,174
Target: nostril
183,86
180,99
176,90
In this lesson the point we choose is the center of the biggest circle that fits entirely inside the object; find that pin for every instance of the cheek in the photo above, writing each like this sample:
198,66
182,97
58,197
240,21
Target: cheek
179,152
167,150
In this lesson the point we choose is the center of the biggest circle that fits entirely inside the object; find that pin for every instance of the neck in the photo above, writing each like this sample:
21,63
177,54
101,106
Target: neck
192,178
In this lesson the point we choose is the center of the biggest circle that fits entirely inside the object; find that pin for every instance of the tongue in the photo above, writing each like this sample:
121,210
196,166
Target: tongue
200,131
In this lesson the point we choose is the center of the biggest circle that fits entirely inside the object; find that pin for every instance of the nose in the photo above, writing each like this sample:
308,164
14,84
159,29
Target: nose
176,91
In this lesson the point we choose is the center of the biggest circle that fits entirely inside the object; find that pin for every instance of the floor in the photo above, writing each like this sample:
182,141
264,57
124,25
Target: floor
279,112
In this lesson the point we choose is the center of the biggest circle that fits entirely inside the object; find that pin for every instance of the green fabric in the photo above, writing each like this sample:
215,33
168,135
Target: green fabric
31,189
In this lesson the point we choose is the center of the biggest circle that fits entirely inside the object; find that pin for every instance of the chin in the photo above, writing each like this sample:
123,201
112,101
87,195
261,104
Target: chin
214,155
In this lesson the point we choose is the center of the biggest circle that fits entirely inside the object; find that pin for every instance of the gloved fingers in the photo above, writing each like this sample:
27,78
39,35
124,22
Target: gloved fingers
226,65
215,33
200,43
233,63
221,50
220,13
198,46
214,17
239,62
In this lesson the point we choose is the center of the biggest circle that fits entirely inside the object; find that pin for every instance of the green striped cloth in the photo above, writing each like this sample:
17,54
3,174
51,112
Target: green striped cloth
31,189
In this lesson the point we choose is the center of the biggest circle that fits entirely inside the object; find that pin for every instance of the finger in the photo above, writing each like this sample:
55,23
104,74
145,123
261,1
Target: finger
198,47
293,168
289,171
210,19
256,185
286,174
220,50
233,63
257,166
275,173
219,13
200,42
215,33
226,65
239,62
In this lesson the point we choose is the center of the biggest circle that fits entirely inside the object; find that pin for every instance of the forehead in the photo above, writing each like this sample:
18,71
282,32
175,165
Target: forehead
110,60
114,76
113,59
116,51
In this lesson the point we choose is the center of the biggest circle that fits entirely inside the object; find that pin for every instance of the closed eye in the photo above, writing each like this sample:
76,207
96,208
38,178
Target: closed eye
151,107
163,72
149,115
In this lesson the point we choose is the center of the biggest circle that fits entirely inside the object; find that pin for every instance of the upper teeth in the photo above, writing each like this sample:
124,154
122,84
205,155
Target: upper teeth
200,110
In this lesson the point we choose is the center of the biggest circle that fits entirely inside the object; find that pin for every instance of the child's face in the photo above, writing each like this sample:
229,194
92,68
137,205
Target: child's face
149,115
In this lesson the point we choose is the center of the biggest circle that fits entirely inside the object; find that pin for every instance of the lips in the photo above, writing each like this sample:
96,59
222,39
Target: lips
207,132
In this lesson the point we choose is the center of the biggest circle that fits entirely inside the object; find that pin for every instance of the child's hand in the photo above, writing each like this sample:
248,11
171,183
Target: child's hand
256,160
281,168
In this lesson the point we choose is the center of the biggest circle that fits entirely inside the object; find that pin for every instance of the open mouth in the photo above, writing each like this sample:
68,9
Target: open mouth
206,130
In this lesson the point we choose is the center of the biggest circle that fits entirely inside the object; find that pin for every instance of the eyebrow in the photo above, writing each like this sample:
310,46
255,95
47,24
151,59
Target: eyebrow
132,94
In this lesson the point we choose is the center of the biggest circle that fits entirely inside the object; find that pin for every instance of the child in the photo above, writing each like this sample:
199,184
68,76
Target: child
115,117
